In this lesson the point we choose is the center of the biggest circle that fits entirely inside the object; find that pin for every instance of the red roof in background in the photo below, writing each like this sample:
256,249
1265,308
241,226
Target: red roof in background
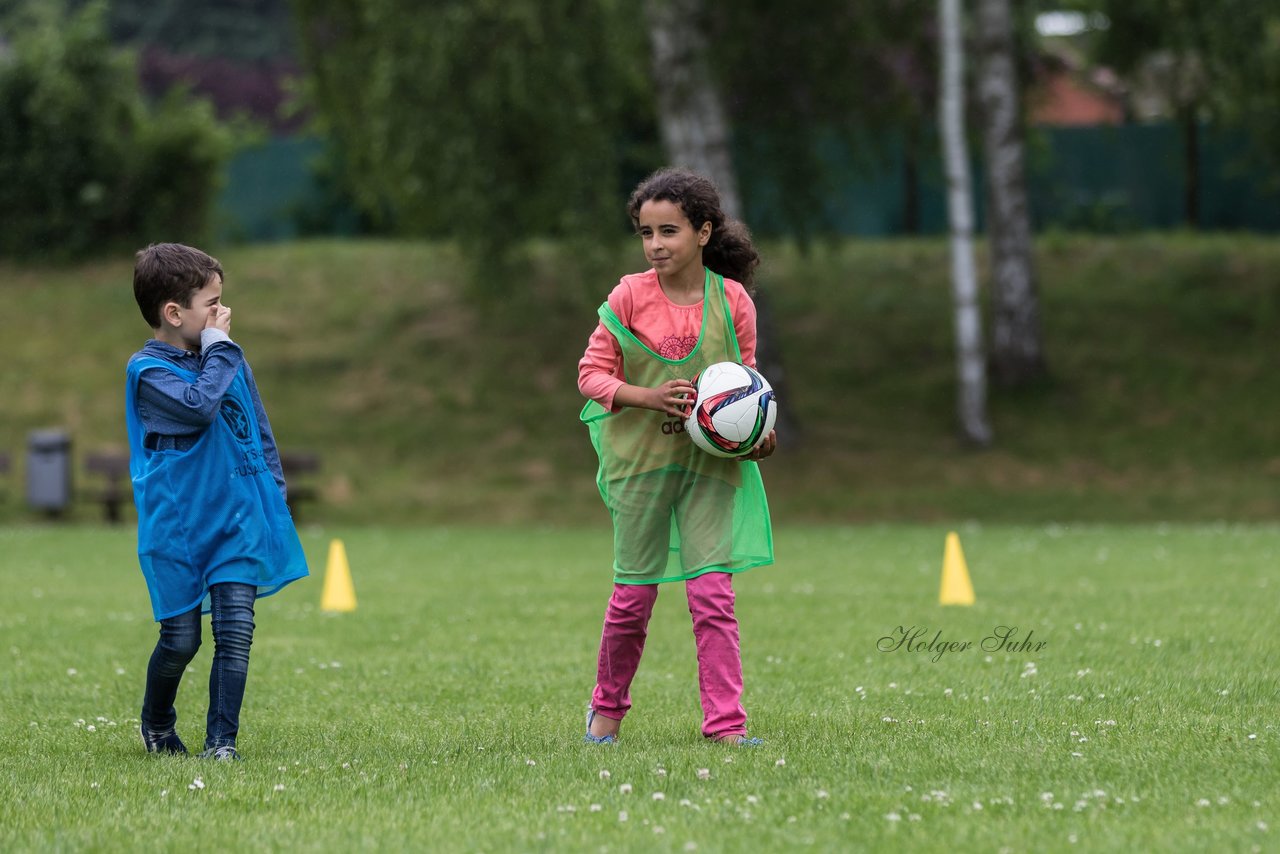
1059,97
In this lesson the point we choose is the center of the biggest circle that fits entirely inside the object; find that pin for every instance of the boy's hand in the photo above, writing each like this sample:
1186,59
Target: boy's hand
766,447
219,318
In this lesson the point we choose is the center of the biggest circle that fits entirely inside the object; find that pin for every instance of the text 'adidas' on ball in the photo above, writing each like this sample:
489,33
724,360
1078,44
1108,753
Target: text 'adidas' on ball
734,409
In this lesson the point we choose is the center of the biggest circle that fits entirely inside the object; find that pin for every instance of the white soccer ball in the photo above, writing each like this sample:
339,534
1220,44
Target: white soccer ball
733,410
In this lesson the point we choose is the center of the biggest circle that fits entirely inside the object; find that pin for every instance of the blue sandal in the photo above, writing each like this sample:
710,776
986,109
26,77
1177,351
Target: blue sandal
740,741
596,739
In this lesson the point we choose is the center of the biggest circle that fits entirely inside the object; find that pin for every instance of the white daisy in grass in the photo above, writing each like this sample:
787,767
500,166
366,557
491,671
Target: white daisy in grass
752,799
823,794
780,763
595,808
915,816
893,816
196,784
71,671
529,762
704,773
691,846
622,815
624,789
660,771
604,774
658,796
279,787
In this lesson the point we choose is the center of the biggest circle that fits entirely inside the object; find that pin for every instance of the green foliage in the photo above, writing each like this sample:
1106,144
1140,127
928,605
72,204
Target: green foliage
446,712
1224,57
492,122
85,163
802,76
244,30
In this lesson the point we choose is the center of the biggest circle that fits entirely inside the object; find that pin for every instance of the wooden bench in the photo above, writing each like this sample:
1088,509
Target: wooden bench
116,488
298,466
113,468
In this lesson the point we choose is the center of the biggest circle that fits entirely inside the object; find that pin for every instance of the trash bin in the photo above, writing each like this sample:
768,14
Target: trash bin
49,470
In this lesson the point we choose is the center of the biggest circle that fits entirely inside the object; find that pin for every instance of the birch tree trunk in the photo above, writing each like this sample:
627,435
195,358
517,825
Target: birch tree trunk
1017,352
695,135
971,402
695,132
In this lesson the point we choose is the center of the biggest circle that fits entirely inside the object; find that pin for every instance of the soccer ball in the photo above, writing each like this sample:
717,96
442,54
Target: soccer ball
733,410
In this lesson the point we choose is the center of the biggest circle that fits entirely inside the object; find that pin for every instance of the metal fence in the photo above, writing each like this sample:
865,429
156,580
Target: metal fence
1105,179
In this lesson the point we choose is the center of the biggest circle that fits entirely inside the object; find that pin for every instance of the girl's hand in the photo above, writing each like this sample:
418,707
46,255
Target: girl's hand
673,397
766,447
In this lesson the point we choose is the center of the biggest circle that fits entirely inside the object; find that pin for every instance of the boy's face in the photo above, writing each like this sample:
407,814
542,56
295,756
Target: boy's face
188,322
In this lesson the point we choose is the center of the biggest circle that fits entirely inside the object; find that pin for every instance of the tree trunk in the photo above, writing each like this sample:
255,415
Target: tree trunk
1191,166
911,179
695,132
971,402
695,135
1017,352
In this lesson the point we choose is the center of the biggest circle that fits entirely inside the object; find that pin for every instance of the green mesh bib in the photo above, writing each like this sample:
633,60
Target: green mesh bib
677,511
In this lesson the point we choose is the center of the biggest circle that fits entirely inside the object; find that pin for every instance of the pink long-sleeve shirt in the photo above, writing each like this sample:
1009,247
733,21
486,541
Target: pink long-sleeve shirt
667,329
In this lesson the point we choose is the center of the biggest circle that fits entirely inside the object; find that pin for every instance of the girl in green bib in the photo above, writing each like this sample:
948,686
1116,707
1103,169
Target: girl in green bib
679,514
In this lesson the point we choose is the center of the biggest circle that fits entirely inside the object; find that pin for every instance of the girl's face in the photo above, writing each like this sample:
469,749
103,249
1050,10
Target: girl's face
671,244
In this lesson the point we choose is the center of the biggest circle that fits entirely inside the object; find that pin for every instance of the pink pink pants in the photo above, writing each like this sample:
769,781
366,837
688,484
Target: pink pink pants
715,633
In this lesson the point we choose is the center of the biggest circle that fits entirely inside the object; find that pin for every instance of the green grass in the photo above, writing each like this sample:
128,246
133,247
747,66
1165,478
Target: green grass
445,712
1162,402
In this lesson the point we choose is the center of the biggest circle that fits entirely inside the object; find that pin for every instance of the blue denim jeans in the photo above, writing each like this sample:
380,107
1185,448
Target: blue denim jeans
232,619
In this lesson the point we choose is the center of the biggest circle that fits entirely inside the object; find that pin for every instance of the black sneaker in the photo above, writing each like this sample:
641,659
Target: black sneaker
161,742
226,753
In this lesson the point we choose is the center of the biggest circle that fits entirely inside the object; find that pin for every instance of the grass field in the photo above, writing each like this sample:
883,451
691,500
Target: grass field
445,713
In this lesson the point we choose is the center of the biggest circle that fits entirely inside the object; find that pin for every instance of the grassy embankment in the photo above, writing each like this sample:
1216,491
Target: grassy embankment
1163,403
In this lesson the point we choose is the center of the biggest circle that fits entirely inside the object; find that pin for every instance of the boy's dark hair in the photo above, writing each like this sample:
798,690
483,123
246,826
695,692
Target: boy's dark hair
169,272
730,251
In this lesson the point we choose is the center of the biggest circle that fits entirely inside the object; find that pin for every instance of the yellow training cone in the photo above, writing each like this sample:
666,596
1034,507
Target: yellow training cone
339,594
956,587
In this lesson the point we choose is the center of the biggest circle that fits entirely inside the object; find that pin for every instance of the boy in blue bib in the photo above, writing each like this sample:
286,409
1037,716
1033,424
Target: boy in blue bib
214,532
